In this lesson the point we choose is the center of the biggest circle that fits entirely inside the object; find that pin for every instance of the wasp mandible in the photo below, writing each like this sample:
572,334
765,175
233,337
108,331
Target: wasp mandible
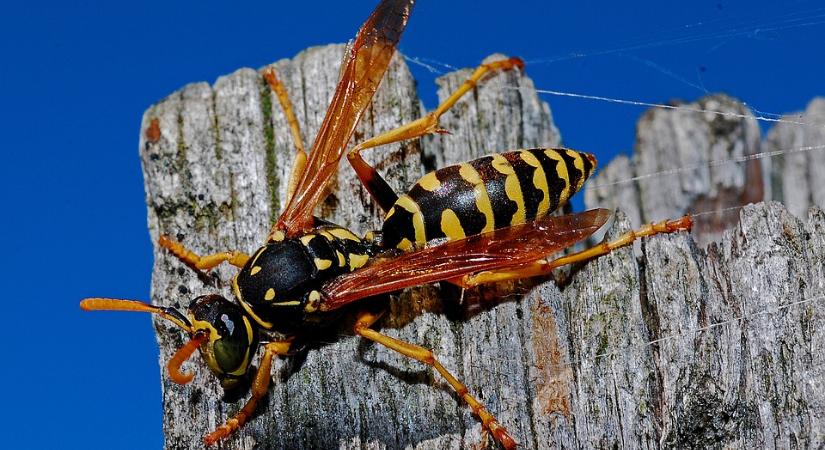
478,222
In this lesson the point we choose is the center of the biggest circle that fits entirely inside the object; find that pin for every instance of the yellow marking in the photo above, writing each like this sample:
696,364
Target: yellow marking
561,170
250,337
306,238
314,301
451,225
255,270
270,294
278,236
370,236
326,234
356,260
341,260
287,303
407,203
539,181
513,190
322,264
529,158
511,187
389,214
246,307
469,174
405,245
343,233
483,204
202,325
502,166
418,219
429,182
257,255
578,163
208,355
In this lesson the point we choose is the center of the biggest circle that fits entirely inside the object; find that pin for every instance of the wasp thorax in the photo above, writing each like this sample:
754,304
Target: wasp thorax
273,285
231,337
276,274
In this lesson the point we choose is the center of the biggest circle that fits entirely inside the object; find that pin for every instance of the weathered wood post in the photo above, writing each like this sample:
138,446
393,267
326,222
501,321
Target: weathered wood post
627,354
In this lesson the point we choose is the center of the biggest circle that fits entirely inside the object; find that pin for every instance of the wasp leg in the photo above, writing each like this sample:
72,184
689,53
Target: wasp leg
300,154
542,267
375,184
206,262
260,386
362,328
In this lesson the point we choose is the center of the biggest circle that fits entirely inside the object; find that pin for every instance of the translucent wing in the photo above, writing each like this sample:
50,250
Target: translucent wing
362,70
500,249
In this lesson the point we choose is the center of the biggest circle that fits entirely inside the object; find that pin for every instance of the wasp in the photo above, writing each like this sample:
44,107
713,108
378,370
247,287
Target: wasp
482,221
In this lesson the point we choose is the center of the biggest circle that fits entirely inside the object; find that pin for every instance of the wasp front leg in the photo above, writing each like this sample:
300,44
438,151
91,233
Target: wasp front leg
260,387
381,192
206,262
488,421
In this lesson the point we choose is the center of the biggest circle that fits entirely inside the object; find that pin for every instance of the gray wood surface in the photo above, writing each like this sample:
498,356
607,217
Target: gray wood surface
673,176
737,328
796,176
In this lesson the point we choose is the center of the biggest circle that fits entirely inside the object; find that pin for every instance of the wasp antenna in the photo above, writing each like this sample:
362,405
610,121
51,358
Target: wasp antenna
180,357
114,304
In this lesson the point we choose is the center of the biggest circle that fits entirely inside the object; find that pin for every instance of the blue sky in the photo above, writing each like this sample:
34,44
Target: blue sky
75,78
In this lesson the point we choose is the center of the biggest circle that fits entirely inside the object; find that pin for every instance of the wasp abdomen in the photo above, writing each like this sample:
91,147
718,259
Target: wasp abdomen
491,192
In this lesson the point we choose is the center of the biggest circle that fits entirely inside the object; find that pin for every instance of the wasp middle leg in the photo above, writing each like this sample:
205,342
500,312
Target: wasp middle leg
380,191
362,328
206,262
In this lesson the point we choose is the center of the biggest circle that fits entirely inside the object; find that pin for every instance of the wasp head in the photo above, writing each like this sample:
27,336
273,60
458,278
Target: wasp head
228,338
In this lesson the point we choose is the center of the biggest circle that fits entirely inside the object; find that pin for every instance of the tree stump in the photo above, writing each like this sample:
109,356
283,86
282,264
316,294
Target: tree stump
680,348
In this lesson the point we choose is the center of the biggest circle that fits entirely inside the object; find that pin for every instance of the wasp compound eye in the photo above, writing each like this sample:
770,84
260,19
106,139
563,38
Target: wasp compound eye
231,336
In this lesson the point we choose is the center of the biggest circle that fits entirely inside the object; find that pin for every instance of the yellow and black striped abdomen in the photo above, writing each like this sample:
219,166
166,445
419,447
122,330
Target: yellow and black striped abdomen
492,192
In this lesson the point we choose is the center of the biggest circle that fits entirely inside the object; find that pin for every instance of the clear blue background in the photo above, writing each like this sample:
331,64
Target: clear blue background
75,78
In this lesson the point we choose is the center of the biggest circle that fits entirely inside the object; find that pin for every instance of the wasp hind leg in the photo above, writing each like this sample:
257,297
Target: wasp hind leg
488,421
260,387
542,267
380,191
206,262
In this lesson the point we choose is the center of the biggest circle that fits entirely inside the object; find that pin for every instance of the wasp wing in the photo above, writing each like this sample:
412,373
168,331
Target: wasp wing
500,249
363,67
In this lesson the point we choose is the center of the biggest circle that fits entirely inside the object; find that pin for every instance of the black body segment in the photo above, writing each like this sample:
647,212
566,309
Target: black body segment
486,194
278,287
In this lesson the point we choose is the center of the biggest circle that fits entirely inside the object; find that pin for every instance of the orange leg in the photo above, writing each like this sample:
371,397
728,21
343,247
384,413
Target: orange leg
542,267
300,154
197,262
488,421
377,187
260,387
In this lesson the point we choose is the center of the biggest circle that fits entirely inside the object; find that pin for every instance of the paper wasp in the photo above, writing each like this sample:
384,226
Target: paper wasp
478,222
